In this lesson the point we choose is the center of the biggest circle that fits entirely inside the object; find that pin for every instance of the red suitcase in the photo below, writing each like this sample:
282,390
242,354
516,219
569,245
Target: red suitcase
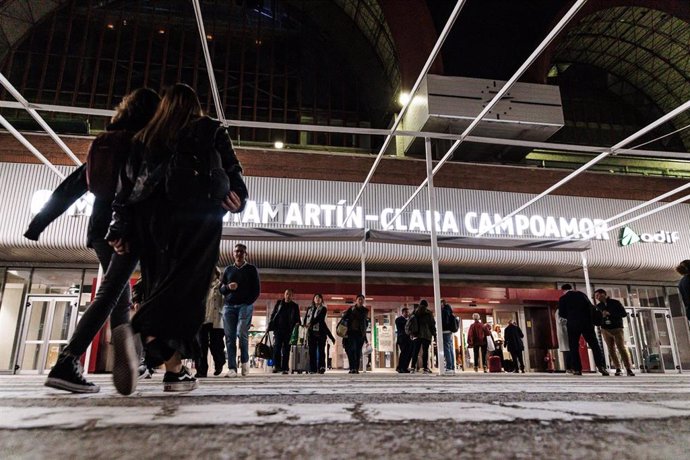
494,364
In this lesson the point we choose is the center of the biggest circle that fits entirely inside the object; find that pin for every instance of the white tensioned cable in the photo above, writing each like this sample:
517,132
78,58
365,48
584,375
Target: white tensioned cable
592,162
209,65
641,216
34,114
562,148
638,207
509,84
6,124
398,119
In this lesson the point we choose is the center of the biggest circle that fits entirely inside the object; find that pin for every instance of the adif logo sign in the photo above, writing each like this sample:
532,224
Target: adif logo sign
629,237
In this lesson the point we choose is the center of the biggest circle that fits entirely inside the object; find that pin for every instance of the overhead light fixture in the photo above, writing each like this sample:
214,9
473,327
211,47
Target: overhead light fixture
111,26
337,298
368,298
466,300
404,98
494,301
209,37
161,31
278,144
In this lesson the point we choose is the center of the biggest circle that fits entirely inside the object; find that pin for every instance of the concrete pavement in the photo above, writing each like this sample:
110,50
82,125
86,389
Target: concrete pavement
337,415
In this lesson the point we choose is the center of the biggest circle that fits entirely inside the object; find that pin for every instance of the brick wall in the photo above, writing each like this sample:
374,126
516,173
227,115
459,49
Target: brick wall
354,168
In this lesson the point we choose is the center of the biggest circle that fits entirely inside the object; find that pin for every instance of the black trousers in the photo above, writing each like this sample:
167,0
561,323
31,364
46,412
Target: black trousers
476,356
518,360
281,350
317,352
210,337
353,348
405,347
423,345
576,330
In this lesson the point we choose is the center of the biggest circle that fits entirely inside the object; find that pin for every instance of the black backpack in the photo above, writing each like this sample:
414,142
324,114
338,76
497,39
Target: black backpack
195,169
412,325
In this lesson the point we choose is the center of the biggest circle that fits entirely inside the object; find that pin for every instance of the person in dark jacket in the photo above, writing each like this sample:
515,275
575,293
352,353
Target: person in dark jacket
683,269
284,318
449,326
317,333
181,177
241,287
476,338
107,156
405,345
512,338
613,312
357,318
422,337
576,309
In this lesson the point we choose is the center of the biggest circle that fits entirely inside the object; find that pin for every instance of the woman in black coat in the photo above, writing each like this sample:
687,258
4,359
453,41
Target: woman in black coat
357,319
512,337
317,333
180,179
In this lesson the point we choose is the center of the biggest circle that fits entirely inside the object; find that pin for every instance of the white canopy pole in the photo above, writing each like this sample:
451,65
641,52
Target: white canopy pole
398,119
34,114
434,259
6,124
209,65
598,158
506,87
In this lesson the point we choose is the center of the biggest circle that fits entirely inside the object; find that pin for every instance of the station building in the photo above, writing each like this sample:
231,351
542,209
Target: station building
342,64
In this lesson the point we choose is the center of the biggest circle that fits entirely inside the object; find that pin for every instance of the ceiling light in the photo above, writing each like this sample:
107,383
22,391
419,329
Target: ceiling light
494,301
337,298
278,144
466,300
209,37
404,98
111,26
368,298
161,31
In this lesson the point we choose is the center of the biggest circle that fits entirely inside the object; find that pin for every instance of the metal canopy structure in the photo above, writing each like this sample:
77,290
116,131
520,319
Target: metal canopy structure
631,28
645,50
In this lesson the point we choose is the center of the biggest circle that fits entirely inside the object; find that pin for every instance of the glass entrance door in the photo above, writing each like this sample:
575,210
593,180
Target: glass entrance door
653,340
48,323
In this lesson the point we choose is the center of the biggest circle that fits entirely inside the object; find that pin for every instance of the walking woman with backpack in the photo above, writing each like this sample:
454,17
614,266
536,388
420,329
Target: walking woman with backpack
181,177
99,175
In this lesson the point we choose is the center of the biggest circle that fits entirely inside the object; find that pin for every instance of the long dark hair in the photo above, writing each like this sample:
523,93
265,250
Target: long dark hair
179,106
135,110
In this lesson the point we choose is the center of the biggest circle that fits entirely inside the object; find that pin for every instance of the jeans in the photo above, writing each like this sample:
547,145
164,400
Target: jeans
281,350
236,321
113,298
317,352
423,345
575,330
615,338
353,348
208,335
448,351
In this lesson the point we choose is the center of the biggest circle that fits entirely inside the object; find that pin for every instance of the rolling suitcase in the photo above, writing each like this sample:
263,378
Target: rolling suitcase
494,364
299,358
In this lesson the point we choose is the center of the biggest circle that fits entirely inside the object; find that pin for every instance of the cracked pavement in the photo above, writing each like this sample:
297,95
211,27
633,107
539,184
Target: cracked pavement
337,415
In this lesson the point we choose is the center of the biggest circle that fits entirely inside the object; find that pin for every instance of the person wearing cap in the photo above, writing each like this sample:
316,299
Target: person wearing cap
425,331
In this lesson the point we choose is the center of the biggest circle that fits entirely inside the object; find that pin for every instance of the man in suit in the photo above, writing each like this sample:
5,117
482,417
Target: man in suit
576,309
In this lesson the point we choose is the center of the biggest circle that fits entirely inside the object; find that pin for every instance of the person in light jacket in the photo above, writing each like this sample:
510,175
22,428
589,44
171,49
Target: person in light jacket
211,333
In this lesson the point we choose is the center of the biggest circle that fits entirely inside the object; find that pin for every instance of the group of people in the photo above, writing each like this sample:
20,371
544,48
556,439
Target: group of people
577,317
285,322
487,342
167,174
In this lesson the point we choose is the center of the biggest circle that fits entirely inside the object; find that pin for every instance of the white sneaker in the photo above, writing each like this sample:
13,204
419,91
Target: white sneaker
449,372
231,373
245,369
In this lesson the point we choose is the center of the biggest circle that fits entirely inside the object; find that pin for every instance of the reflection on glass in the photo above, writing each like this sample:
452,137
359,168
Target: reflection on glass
651,351
37,320
56,281
11,309
32,353
61,321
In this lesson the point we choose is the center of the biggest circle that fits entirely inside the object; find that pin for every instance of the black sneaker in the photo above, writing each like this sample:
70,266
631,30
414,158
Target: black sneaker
66,375
218,370
618,372
603,371
125,360
179,381
630,373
